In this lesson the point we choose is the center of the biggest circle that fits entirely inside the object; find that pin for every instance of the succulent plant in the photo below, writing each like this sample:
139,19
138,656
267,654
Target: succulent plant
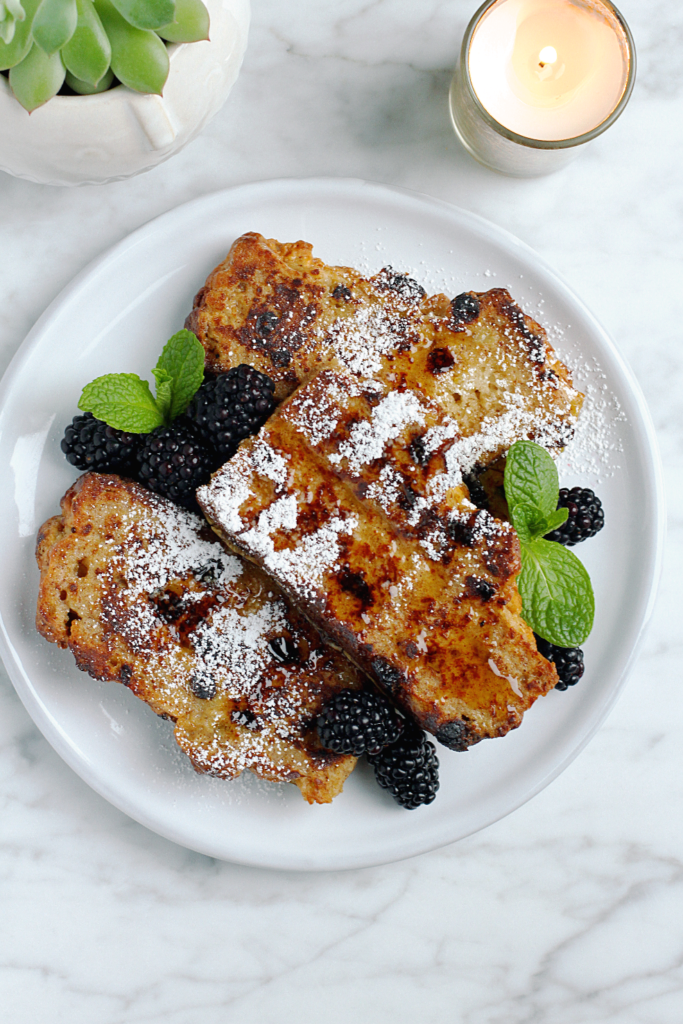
90,45
11,12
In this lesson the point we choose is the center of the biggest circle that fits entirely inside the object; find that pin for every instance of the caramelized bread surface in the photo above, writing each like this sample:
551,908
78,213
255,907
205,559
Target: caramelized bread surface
486,364
354,496
385,553
270,304
143,593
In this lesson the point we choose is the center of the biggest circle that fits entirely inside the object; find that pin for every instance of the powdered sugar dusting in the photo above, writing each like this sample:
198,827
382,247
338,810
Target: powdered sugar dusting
360,341
229,491
269,463
304,567
158,556
482,527
232,648
594,452
316,415
281,515
386,491
200,627
368,439
496,434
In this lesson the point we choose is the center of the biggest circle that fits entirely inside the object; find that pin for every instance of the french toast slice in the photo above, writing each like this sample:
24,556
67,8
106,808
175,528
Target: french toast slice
352,498
271,304
142,592
479,357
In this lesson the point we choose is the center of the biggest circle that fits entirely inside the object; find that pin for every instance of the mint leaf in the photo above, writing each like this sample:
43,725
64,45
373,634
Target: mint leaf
556,591
164,392
183,361
531,524
123,401
528,521
555,519
531,477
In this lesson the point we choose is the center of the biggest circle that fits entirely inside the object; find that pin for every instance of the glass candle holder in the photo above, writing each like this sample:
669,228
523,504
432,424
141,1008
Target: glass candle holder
538,79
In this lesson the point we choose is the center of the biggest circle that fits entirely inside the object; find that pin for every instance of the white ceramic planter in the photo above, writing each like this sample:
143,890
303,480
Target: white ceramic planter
74,140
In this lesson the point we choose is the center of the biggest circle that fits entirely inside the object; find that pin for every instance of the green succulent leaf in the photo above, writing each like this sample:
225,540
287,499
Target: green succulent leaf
12,9
139,59
146,13
87,55
11,12
54,24
556,591
181,362
85,88
13,51
531,477
190,24
123,401
37,78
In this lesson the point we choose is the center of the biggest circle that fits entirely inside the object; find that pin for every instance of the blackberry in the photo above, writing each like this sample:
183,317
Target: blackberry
89,443
174,463
229,407
358,722
567,660
586,516
409,769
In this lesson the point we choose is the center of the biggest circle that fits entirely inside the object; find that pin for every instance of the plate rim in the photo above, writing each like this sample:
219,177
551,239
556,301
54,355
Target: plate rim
643,427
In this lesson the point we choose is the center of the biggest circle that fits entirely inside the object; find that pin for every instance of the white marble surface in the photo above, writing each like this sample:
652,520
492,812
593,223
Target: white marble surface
571,910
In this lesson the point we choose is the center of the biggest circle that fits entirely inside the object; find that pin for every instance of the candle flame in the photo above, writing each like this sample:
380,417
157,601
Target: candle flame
548,55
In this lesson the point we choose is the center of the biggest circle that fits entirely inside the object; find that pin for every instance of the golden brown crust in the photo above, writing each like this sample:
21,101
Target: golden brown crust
276,306
262,305
141,593
481,374
389,561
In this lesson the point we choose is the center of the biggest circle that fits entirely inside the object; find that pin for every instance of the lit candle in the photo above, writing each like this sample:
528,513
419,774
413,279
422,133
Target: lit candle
538,78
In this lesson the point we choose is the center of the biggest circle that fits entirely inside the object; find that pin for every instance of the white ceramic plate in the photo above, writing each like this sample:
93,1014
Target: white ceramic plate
116,316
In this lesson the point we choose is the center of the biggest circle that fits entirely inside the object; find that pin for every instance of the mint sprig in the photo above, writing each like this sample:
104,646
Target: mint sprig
164,390
183,361
125,401
556,591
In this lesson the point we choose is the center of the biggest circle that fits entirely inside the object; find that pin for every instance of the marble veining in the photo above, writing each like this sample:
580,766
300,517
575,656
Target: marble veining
570,911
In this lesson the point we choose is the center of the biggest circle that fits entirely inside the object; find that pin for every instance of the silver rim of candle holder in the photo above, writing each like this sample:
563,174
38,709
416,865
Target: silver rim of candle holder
464,101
